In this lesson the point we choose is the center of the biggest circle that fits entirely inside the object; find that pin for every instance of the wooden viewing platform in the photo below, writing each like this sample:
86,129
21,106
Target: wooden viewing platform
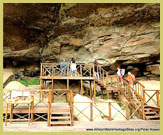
46,107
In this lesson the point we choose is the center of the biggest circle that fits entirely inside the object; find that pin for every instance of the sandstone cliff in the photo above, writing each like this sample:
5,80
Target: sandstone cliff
114,34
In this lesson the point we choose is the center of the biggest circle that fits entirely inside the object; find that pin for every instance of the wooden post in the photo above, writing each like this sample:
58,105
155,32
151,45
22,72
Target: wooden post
32,115
109,110
144,96
119,95
127,111
29,116
81,74
91,111
49,107
71,106
142,105
90,90
81,87
158,98
94,88
68,84
93,70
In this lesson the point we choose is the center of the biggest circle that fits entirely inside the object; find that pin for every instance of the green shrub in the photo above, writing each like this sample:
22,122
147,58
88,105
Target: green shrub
36,81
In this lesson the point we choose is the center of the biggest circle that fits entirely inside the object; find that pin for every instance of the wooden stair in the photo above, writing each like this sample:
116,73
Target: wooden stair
151,113
103,86
60,114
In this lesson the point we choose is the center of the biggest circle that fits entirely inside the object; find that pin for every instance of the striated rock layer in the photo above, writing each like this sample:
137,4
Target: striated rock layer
114,34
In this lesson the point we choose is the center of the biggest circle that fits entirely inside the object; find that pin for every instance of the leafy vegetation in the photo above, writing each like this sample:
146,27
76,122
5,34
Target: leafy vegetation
36,81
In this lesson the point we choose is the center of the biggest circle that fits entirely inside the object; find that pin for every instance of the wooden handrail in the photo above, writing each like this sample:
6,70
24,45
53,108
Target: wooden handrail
134,90
140,84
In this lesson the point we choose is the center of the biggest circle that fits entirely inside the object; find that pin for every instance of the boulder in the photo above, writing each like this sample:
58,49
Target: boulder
14,86
154,69
8,75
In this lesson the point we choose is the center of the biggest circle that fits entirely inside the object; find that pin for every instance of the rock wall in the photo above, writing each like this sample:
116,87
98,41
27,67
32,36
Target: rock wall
114,34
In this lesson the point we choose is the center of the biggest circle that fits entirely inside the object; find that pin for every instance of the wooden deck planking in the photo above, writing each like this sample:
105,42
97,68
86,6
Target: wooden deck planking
40,108
67,77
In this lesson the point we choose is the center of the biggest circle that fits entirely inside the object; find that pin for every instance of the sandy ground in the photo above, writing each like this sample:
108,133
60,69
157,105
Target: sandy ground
151,85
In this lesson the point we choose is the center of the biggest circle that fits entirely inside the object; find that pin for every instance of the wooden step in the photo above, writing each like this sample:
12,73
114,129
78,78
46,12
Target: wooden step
152,117
150,113
60,117
147,109
60,112
146,106
61,122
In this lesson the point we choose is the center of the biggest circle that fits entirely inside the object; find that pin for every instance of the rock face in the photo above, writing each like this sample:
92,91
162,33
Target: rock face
114,34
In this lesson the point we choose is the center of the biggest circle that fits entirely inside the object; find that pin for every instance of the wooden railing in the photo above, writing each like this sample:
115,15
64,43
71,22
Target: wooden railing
39,95
91,106
134,97
102,74
82,70
69,99
152,96
139,88
113,81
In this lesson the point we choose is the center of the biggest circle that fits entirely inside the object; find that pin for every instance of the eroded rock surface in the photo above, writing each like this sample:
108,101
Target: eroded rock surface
114,34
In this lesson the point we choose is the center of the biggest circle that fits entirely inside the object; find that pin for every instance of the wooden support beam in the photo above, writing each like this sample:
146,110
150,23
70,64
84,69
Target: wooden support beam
49,107
32,114
94,90
52,91
68,84
158,98
81,88
142,106
90,90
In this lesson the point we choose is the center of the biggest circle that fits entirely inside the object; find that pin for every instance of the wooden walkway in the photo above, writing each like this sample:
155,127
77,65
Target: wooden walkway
108,126
67,78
